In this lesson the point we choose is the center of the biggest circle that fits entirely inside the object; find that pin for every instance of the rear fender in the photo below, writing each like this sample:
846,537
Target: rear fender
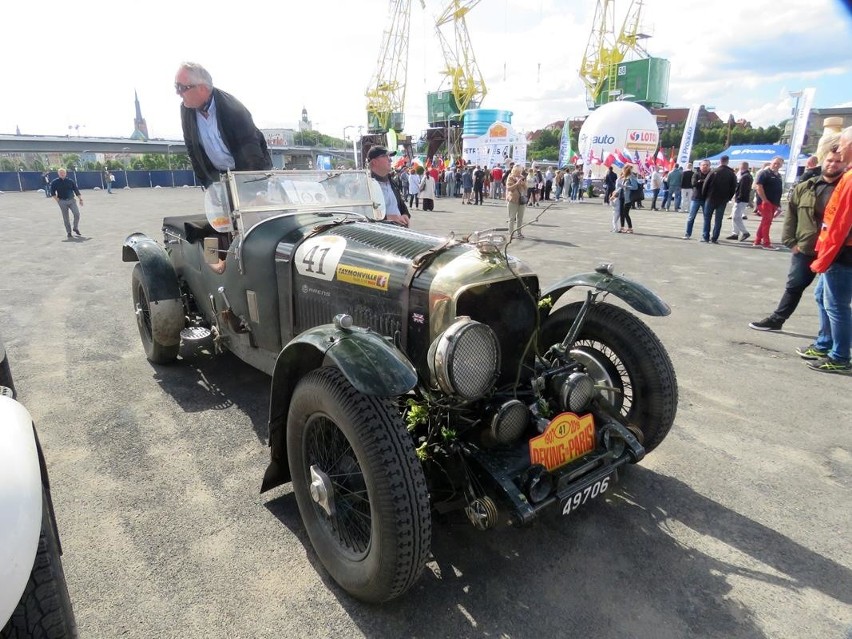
20,502
637,295
158,269
369,362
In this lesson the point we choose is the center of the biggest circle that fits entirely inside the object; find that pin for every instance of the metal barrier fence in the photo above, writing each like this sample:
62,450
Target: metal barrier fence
34,180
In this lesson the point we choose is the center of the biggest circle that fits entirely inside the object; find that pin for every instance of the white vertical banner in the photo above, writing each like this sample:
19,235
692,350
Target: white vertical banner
688,135
519,149
797,137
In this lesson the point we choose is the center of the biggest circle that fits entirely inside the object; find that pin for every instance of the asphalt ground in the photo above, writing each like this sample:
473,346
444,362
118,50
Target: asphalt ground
736,526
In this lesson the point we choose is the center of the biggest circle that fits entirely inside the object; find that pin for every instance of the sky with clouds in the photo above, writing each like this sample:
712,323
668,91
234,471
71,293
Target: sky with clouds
78,64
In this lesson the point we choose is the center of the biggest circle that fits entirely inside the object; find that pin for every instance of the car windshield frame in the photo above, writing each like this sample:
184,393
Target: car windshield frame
253,196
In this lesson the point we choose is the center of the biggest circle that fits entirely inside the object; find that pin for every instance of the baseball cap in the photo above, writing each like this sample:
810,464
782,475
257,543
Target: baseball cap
377,152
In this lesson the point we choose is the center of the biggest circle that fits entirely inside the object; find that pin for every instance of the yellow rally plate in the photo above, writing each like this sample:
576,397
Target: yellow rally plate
567,437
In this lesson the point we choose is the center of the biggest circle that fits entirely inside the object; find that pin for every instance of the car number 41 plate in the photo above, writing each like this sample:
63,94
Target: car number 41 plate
587,493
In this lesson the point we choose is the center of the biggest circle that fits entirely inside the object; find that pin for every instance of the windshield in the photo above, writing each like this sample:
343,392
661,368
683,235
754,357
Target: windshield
257,195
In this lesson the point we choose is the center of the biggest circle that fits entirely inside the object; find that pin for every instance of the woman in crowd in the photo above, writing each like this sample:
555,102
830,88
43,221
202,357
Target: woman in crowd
516,189
427,191
628,187
530,182
414,187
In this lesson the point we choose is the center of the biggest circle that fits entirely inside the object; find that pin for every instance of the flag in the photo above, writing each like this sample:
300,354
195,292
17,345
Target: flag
565,144
610,160
624,157
688,134
661,158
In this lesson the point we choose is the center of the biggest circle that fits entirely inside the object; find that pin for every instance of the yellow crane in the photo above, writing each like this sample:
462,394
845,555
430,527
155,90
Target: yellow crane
386,91
605,50
466,82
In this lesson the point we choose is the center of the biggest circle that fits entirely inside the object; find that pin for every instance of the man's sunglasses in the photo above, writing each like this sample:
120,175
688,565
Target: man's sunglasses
180,89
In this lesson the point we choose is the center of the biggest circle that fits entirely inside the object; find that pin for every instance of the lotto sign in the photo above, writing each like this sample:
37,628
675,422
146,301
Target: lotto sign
642,139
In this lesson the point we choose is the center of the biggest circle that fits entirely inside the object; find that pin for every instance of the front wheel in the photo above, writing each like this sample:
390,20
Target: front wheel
360,488
160,322
627,361
45,607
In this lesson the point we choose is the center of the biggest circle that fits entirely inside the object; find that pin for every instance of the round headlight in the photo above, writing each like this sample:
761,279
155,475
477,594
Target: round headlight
465,359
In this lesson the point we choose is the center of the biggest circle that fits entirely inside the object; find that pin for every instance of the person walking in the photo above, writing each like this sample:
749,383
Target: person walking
686,189
467,185
107,179
676,177
427,191
516,188
769,186
656,183
478,184
741,200
414,186
610,181
805,212
63,189
629,186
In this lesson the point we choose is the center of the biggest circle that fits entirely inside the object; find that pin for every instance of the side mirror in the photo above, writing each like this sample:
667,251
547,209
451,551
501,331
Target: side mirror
211,250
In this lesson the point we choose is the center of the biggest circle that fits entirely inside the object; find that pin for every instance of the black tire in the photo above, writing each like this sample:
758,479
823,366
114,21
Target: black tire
44,611
159,328
377,538
620,349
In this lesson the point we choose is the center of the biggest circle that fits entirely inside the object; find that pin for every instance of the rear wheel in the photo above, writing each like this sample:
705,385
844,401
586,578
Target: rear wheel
360,488
159,322
45,607
620,352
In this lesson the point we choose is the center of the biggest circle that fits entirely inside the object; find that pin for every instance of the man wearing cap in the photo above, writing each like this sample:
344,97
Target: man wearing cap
379,162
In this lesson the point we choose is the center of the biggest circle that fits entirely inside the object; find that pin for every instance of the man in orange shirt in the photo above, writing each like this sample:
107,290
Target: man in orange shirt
834,264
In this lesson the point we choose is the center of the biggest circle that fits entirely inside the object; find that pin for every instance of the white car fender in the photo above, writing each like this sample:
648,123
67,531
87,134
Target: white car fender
20,503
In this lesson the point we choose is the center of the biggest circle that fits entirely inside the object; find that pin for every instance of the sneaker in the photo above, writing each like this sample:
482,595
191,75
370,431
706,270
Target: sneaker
685,237
733,236
745,218
714,241
745,236
78,232
769,247
704,241
69,236
768,324
811,352
828,365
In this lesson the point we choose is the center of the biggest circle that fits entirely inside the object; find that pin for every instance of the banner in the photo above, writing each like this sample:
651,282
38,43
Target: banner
490,149
565,145
688,135
797,137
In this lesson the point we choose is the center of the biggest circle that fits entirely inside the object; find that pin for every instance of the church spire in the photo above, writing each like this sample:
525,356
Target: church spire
140,127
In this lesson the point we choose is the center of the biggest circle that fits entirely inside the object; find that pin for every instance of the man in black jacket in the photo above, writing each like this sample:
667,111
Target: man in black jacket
719,188
741,199
218,130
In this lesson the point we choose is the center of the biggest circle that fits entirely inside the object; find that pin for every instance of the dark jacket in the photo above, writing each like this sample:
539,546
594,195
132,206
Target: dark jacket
743,193
400,201
64,188
698,179
804,215
720,185
244,140
686,181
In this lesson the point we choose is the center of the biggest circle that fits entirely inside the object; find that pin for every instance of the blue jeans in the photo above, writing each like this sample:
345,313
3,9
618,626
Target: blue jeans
717,212
834,301
693,211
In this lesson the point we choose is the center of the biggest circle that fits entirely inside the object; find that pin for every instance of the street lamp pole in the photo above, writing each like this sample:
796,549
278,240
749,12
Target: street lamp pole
169,160
126,151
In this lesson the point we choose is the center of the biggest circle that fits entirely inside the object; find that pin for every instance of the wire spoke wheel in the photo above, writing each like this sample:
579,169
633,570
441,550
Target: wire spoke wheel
350,520
627,361
360,488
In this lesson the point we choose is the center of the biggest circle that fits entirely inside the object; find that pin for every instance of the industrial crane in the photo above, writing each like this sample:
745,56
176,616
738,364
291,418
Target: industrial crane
605,50
386,92
466,82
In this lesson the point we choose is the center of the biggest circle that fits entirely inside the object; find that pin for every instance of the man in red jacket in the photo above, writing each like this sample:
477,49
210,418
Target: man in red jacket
834,264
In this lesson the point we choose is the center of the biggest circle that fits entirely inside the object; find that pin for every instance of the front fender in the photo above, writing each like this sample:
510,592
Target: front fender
158,269
637,295
369,362
20,502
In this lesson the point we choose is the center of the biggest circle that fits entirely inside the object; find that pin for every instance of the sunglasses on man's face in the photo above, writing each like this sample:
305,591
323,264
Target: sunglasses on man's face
180,89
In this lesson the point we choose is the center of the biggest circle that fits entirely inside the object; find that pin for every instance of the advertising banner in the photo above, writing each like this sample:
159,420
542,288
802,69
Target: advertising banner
797,137
565,153
688,135
493,148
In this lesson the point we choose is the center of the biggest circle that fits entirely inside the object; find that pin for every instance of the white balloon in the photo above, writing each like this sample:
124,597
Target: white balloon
622,125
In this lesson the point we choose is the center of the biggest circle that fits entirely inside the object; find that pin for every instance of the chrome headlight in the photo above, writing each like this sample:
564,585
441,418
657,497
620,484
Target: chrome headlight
465,359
